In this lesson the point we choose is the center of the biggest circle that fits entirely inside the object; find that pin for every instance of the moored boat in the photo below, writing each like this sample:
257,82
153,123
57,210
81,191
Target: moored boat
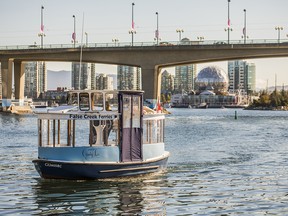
100,134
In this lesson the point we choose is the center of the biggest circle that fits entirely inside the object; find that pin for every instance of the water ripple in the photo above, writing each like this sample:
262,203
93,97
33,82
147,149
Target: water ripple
218,166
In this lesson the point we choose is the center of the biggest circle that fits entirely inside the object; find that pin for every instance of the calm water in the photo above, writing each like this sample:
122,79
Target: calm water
218,166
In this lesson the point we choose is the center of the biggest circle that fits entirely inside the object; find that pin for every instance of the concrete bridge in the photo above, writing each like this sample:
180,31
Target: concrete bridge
149,57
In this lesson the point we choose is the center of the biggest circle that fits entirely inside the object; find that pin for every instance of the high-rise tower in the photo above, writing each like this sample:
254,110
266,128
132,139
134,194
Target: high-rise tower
242,76
129,78
84,79
35,79
184,78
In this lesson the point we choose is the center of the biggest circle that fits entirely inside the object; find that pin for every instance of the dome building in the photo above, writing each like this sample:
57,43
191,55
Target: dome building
212,79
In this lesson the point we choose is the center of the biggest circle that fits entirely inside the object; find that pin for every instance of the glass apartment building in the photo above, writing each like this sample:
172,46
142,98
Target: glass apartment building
184,78
242,76
35,79
84,79
129,78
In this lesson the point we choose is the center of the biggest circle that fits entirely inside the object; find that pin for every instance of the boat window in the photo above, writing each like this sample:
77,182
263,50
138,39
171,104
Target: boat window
111,100
84,102
97,101
72,99
126,111
153,131
136,111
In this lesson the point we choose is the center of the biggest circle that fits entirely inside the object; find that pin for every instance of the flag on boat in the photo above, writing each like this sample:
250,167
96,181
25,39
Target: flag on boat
158,106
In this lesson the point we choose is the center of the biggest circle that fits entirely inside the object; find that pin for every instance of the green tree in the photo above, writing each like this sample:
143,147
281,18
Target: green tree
275,98
163,98
264,99
284,97
168,97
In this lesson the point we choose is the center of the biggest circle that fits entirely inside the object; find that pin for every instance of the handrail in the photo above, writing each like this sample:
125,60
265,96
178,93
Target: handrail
144,44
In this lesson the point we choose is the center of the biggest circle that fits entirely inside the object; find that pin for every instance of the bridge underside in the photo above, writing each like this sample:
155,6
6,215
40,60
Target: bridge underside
150,59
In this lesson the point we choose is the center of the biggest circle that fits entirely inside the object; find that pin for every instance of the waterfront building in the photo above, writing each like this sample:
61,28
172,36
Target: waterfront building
104,82
242,76
129,78
167,82
84,79
35,79
184,78
250,78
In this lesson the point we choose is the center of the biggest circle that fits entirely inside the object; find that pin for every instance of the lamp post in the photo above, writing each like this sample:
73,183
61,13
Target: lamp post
86,35
74,32
279,28
179,31
41,34
115,40
157,28
200,38
228,29
132,31
245,28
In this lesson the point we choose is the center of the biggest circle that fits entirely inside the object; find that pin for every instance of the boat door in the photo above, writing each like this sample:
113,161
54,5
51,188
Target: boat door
130,108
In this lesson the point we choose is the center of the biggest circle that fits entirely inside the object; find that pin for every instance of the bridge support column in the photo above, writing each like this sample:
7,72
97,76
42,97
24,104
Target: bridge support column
151,81
19,80
6,70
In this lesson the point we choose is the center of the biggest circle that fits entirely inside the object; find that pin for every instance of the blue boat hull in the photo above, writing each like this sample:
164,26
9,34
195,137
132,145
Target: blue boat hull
52,169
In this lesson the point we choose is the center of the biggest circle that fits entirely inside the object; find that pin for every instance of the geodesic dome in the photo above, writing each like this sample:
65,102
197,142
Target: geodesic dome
212,77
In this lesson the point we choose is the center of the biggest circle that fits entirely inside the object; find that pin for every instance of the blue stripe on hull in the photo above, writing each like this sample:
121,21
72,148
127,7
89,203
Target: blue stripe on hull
68,170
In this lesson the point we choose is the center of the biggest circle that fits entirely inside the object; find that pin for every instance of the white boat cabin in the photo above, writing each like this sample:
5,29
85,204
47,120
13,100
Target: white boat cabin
101,119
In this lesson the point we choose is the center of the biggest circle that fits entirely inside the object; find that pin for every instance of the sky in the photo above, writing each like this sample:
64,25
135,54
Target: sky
105,20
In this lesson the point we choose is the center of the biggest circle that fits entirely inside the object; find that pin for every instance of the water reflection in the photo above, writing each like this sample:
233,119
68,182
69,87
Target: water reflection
8,119
132,196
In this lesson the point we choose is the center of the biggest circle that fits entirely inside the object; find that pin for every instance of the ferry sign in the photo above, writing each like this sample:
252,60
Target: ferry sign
78,116
89,116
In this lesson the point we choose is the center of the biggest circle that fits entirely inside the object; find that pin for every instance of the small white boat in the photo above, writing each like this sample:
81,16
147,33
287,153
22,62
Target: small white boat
101,134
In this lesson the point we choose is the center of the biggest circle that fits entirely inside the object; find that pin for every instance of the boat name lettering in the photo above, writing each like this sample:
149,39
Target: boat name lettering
89,154
53,165
93,117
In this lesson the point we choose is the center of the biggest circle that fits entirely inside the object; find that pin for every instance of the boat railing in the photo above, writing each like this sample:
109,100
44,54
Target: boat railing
153,128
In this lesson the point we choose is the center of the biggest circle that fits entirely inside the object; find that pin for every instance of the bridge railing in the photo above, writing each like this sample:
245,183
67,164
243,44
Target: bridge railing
144,44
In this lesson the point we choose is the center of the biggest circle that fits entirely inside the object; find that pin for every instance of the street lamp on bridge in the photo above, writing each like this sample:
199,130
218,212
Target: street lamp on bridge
245,28
228,29
279,28
157,28
132,31
74,32
115,40
179,31
86,34
200,38
41,34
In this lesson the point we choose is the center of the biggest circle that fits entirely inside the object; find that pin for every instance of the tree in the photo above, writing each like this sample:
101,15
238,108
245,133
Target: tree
284,97
275,98
163,98
264,99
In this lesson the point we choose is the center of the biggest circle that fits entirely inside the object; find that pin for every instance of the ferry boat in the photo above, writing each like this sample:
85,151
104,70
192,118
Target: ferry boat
100,134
